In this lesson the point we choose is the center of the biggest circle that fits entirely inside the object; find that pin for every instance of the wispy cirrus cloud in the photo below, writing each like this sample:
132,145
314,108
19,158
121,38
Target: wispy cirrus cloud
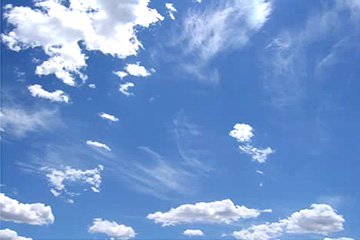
220,26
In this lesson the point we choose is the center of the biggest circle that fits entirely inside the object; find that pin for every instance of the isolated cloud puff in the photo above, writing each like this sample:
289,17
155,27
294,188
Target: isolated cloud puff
107,26
112,229
7,234
59,178
34,213
206,212
124,88
56,96
108,117
319,219
193,232
98,145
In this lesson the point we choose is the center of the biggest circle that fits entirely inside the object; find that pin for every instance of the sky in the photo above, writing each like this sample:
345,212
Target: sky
191,119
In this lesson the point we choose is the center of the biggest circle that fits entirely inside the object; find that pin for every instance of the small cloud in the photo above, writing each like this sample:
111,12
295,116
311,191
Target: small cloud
193,232
56,96
124,88
171,10
98,145
112,229
137,70
108,117
121,74
91,85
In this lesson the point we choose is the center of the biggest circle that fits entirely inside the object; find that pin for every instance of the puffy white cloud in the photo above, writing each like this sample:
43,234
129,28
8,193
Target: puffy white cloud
171,10
124,88
34,213
319,219
137,70
91,85
243,133
107,26
206,212
98,145
220,26
19,122
108,117
260,232
193,232
112,229
59,178
57,96
7,234
121,74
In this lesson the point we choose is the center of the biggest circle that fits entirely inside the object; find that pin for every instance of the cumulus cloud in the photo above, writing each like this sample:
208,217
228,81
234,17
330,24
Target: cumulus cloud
108,117
112,229
260,232
59,178
107,26
56,96
319,219
193,232
137,70
7,234
124,88
98,145
19,122
121,74
243,133
221,26
171,10
34,213
204,212
92,86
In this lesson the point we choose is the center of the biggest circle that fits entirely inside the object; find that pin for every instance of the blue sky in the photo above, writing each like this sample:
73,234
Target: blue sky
139,119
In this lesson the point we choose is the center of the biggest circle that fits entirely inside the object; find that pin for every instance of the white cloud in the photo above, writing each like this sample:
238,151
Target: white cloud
171,10
260,172
112,229
35,213
260,232
107,26
193,232
243,133
221,26
124,88
91,85
57,96
108,117
204,212
19,122
137,70
98,145
59,178
121,74
7,234
257,154
319,219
